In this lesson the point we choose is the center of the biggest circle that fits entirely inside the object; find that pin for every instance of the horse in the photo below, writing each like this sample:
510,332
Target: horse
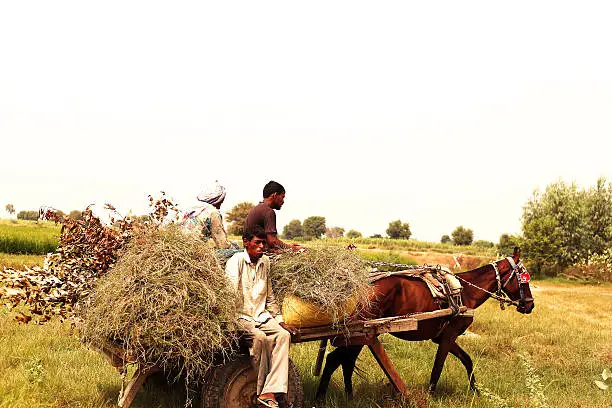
398,295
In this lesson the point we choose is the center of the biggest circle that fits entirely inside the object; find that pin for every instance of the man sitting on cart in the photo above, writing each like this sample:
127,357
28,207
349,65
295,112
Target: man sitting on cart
263,215
259,317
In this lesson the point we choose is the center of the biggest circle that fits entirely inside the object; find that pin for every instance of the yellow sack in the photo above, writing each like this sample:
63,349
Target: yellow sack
299,313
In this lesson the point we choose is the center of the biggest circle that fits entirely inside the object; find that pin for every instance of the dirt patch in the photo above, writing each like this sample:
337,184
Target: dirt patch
466,262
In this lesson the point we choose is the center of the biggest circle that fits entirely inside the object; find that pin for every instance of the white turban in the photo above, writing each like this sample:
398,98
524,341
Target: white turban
213,194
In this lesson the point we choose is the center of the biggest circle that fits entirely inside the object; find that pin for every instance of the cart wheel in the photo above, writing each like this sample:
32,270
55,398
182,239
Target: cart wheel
234,385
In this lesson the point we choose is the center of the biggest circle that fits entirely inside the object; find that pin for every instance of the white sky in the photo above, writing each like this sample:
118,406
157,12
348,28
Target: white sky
437,113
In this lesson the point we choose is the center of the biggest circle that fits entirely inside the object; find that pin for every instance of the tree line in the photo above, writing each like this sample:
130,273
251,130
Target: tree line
562,226
32,215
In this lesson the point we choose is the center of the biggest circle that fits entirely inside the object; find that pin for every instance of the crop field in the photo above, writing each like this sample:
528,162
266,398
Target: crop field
17,261
411,245
550,358
28,237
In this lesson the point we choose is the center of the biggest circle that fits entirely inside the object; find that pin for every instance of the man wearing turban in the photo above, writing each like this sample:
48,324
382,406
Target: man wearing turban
206,218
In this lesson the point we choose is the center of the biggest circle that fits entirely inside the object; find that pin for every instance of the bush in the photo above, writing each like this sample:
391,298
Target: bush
483,244
445,239
352,234
76,215
598,270
27,215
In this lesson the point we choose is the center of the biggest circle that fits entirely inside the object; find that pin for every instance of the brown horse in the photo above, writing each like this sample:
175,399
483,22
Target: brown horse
401,295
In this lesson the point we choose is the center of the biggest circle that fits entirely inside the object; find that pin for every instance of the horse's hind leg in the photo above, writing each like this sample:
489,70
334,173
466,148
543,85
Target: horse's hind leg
444,346
465,359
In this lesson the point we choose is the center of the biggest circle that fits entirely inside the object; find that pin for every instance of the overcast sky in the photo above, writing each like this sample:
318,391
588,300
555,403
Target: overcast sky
437,113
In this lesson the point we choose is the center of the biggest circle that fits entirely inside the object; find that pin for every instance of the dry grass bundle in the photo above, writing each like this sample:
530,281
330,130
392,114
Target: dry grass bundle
329,278
166,301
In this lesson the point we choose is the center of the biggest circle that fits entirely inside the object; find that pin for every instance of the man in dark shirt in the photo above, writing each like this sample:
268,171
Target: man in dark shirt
263,215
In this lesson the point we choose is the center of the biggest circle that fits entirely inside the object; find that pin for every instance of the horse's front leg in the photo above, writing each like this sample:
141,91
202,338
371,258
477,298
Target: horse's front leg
332,362
348,367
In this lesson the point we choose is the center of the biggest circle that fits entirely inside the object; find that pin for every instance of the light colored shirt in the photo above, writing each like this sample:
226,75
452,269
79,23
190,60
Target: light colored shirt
206,220
252,281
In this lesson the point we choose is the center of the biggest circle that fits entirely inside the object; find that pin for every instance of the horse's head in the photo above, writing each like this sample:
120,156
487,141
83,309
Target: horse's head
513,279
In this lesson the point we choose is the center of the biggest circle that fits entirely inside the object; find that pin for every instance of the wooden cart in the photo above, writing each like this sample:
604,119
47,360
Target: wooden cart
233,384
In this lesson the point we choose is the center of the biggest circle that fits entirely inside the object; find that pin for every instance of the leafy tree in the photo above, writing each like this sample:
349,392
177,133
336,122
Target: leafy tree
76,215
481,243
445,239
462,236
376,236
566,225
237,216
28,215
599,218
507,243
334,232
314,226
398,230
10,209
293,229
353,234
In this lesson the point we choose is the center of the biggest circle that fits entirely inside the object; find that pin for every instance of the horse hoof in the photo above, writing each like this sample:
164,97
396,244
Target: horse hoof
431,390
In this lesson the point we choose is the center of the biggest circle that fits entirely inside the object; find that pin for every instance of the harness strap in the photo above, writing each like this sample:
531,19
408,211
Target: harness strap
499,292
493,295
512,263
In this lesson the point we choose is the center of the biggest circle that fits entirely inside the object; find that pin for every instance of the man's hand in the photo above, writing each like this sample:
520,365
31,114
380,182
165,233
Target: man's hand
297,247
290,329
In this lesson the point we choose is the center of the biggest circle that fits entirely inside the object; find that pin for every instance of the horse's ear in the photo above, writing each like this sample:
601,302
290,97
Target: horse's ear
517,253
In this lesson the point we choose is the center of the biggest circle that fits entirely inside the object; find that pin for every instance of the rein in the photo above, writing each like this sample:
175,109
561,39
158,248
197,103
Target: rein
502,299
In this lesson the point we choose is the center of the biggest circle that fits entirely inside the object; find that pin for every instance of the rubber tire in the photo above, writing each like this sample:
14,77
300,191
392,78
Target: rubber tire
217,391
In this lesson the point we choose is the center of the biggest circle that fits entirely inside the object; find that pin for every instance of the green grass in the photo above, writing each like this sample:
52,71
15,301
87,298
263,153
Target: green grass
566,341
405,245
388,256
17,261
28,237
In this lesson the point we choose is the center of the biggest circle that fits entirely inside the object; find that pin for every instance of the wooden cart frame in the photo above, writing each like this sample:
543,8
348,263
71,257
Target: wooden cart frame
359,332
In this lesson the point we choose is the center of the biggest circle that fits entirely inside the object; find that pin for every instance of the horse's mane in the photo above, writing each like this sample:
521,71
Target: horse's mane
480,268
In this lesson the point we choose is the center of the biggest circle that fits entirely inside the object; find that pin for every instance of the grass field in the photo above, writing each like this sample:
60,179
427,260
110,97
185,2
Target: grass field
556,352
17,261
28,237
547,359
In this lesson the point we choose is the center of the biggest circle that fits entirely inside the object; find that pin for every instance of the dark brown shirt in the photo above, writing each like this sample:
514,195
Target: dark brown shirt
263,216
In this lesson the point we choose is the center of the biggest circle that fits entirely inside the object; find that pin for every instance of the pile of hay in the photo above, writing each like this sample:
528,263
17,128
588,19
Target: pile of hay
167,301
334,280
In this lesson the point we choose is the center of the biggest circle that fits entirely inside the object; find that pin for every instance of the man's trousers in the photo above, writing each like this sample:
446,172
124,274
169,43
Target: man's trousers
269,354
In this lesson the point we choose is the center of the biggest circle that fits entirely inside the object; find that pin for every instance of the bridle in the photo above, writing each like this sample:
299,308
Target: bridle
522,276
